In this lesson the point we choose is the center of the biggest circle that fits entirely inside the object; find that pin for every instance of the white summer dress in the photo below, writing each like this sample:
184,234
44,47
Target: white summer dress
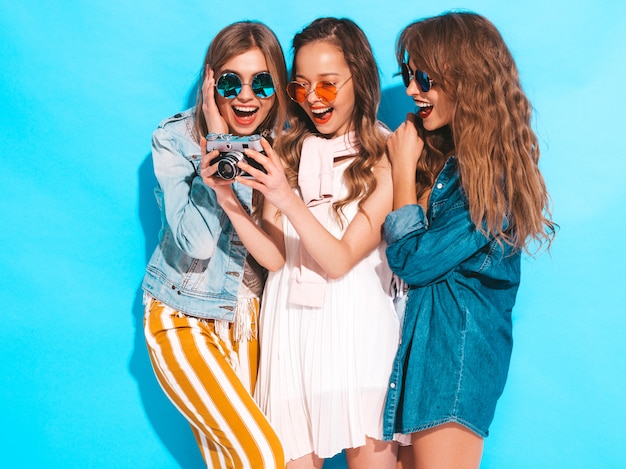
324,372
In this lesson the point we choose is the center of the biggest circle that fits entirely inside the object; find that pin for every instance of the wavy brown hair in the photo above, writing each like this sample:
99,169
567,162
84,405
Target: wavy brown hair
490,133
235,39
357,52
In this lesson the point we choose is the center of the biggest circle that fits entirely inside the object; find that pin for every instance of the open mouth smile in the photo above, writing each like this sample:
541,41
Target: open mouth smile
423,109
245,115
322,115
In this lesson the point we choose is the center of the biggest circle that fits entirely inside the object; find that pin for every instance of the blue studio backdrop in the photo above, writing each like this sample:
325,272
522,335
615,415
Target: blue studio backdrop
83,85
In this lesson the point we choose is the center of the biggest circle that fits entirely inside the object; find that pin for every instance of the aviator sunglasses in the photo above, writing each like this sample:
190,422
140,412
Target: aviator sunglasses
324,90
422,78
229,85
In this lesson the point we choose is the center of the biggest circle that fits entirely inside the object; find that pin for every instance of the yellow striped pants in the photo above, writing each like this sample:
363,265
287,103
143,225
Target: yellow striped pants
210,381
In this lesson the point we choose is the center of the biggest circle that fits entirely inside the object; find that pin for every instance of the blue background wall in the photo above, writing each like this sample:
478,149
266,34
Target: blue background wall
82,86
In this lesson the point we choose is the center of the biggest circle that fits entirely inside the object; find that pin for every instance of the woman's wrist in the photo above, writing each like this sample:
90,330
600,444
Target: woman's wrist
290,204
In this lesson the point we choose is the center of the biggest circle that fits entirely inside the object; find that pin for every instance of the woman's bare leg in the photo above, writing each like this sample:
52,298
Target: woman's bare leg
405,458
308,461
448,446
375,453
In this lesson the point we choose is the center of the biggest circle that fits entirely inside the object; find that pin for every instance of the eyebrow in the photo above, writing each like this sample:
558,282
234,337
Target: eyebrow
238,73
321,75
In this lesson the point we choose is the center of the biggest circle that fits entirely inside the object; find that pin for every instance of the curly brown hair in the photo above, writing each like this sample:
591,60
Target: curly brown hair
353,44
490,133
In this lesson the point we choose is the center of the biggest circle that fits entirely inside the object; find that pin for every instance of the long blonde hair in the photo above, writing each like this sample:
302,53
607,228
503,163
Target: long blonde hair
350,39
490,133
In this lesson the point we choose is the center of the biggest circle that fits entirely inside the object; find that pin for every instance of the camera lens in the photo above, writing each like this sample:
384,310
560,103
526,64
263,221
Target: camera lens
227,167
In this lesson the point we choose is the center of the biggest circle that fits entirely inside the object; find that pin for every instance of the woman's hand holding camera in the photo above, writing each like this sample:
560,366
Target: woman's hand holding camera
272,184
207,171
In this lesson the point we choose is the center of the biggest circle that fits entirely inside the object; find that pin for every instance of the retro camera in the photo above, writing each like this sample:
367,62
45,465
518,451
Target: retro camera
231,148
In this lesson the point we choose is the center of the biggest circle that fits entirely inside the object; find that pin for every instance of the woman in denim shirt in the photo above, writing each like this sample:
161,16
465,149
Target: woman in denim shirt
201,286
468,199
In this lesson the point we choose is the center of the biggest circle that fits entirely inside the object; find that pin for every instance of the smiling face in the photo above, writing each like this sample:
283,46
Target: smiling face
246,111
322,61
434,107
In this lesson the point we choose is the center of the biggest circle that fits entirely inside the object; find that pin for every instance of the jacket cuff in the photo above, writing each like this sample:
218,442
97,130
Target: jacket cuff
407,219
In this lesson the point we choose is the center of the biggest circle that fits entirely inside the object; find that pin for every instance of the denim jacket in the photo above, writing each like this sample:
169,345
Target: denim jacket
453,359
197,267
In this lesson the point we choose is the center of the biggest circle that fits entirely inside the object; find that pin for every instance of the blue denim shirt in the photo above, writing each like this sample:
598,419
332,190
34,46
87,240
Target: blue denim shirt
453,359
197,267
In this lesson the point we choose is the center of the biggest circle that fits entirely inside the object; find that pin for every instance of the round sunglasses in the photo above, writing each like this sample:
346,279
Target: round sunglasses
324,90
422,78
229,85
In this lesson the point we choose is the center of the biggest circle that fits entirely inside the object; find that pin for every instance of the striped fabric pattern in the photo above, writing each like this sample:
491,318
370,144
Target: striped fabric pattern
209,380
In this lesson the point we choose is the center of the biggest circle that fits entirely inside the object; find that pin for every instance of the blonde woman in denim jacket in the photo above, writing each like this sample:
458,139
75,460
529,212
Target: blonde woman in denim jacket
201,286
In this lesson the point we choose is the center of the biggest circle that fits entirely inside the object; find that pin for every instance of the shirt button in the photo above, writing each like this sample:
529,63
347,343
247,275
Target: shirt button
439,185
392,385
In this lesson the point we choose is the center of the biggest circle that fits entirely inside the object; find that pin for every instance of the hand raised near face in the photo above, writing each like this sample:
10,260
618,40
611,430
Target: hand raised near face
214,120
404,146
